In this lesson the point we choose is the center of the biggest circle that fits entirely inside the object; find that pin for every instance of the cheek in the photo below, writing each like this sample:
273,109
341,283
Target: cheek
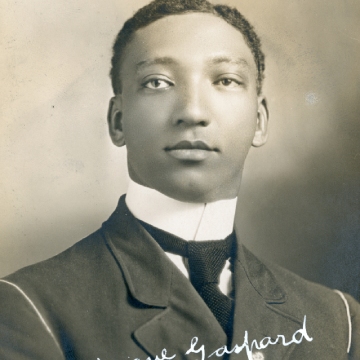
239,119
145,116
137,122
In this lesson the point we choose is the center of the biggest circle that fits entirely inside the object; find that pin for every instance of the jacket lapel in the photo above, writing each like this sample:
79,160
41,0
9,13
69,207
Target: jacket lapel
154,281
258,312
184,325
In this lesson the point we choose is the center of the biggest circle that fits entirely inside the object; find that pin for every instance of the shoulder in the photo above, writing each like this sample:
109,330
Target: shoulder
74,273
73,261
310,295
32,298
294,288
330,314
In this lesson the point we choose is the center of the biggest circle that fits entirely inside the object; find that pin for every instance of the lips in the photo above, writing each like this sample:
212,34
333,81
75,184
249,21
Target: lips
188,145
191,150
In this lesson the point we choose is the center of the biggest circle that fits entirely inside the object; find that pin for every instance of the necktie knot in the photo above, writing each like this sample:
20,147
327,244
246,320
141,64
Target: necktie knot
206,260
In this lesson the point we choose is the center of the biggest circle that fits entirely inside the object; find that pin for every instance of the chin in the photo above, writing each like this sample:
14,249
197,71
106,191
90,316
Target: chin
189,195
198,192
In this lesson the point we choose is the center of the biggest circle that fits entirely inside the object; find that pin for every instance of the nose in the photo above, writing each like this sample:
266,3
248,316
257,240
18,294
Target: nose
191,106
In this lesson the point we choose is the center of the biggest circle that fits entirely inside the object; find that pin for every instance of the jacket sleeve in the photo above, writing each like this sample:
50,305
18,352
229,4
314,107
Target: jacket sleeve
24,333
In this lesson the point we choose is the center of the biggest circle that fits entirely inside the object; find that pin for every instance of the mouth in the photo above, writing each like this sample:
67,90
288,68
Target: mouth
191,150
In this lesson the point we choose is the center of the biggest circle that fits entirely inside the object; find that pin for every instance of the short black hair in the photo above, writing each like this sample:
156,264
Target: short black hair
158,9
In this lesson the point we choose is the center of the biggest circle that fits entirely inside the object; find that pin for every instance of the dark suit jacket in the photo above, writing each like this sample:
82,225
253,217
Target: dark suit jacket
115,295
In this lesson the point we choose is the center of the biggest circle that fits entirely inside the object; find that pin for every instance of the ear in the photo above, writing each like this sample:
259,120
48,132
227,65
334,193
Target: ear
114,119
261,133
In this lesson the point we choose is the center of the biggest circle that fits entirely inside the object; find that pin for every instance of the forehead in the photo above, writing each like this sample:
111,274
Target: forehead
188,39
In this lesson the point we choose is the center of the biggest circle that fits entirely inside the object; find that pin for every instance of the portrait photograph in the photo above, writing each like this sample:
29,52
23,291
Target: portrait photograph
180,180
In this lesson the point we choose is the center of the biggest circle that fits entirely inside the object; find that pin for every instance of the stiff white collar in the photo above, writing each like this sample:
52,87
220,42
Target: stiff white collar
190,221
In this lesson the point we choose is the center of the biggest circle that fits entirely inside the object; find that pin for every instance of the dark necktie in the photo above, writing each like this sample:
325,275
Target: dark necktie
206,260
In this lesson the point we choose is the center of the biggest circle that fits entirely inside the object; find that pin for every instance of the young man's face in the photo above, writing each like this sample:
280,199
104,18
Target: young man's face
189,109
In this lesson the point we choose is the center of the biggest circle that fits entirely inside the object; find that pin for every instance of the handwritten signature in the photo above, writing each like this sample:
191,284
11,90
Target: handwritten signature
297,338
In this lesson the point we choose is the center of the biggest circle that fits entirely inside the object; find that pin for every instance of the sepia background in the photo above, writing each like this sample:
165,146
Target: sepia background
61,177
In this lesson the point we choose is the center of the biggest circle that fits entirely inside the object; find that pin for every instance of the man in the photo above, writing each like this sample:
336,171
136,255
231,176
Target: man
188,105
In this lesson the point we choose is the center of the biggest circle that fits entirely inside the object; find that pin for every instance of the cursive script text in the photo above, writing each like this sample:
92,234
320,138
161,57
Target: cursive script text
297,338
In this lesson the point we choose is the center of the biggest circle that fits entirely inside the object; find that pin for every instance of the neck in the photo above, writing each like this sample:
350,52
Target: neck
190,221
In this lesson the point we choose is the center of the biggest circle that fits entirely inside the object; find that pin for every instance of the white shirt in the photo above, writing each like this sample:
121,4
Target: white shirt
189,221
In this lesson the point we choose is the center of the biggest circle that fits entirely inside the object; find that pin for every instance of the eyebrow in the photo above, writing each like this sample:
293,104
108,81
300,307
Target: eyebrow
212,61
155,61
228,60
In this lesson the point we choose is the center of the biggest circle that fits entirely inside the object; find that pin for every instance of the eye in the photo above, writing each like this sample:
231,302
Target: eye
155,84
228,82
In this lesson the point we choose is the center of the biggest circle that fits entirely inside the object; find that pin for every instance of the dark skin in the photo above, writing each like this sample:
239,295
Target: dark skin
189,110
